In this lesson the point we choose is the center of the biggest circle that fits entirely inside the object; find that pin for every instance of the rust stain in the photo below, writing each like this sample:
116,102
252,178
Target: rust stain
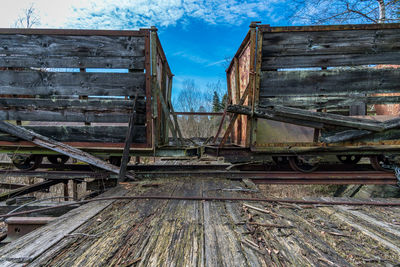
244,76
387,109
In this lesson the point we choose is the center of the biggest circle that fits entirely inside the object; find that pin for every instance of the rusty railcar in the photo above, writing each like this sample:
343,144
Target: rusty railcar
304,92
78,87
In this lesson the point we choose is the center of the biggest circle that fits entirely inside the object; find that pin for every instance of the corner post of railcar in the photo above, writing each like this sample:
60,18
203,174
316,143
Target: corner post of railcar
255,63
154,93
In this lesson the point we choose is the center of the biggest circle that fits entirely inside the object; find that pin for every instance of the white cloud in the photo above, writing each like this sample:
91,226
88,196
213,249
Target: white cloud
124,14
132,14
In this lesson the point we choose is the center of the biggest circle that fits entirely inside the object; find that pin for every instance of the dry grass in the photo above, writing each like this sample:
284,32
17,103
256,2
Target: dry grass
297,191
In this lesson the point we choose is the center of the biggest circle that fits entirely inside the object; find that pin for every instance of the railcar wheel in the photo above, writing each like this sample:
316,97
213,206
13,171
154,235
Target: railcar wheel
349,159
379,162
27,162
58,159
297,164
279,160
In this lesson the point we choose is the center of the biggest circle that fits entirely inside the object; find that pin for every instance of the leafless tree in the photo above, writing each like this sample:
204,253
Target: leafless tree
28,19
192,99
345,11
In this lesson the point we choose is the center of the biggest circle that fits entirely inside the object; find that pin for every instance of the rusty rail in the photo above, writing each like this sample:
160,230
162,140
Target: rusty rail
201,198
258,177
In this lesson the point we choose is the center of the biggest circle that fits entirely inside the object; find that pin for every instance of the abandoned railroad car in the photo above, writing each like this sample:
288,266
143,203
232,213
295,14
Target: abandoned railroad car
302,93
80,86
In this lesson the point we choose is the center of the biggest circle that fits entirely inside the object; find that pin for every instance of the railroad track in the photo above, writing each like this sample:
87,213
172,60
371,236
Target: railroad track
258,177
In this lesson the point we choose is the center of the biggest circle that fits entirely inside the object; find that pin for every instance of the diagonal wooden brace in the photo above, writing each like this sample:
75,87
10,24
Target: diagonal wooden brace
56,146
235,116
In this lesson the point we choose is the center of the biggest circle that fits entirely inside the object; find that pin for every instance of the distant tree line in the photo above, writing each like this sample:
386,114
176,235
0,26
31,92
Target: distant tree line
213,98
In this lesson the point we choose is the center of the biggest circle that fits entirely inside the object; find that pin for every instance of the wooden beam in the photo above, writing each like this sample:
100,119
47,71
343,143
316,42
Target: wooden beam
29,189
319,102
329,82
265,114
71,83
234,117
128,142
167,115
91,104
344,136
59,147
102,134
68,116
73,61
325,118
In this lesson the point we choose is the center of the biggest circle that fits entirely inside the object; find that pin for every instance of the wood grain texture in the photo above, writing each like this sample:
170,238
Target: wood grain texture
330,48
329,82
50,61
37,242
106,134
71,83
68,116
92,104
319,102
194,233
65,45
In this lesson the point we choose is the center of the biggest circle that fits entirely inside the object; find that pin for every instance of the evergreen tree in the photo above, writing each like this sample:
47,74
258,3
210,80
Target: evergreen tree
224,101
216,105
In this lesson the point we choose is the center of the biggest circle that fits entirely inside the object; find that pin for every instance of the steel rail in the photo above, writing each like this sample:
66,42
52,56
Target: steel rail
258,177
201,198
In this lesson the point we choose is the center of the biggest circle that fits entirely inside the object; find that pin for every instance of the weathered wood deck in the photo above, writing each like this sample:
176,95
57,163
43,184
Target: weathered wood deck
209,233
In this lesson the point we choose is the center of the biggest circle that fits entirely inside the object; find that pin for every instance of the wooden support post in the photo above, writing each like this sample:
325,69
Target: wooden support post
167,114
66,193
220,126
176,124
234,117
128,142
75,190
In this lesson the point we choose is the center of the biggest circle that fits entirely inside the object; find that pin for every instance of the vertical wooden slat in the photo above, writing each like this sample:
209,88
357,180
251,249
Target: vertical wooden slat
75,190
66,193
149,111
128,142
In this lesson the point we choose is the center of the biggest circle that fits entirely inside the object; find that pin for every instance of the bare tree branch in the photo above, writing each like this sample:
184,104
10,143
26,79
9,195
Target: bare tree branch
344,11
28,19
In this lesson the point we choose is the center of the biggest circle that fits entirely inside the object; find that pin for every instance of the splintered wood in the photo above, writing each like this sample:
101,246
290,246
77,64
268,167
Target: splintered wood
209,233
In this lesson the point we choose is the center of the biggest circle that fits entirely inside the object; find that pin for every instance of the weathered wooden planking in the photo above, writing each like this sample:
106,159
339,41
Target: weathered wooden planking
110,104
331,42
304,61
330,48
50,61
71,83
318,102
68,45
361,136
329,82
303,117
69,115
106,134
30,246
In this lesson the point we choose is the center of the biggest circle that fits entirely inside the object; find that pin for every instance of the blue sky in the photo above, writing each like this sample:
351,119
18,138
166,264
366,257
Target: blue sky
197,36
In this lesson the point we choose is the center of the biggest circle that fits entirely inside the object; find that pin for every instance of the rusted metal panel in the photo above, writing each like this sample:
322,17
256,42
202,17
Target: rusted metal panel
388,109
244,76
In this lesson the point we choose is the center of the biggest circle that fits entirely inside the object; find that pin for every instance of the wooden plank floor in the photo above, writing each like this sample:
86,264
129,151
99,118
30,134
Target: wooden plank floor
208,233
